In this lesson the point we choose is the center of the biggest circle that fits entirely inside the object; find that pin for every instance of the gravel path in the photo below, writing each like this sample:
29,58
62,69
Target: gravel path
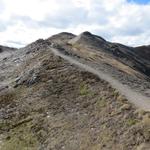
139,100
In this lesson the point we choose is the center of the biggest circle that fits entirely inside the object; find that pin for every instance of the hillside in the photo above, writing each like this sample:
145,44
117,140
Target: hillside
143,52
48,103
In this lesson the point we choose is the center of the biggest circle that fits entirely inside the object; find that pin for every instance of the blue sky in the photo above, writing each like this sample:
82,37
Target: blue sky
140,1
24,21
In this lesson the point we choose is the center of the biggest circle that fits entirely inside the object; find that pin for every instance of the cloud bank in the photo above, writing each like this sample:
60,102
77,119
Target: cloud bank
24,21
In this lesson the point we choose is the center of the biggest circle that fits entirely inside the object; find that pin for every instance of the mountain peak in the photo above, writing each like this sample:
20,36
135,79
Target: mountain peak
86,33
62,37
88,39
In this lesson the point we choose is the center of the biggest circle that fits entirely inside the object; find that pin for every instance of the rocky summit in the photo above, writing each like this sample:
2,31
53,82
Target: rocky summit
75,92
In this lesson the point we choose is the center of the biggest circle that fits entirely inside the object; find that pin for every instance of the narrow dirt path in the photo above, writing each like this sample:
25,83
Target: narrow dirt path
139,100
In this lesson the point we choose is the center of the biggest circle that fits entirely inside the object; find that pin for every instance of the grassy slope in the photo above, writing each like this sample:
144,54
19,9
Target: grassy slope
69,109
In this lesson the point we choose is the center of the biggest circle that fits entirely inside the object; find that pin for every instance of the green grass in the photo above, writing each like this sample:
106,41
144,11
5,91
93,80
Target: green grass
84,90
131,122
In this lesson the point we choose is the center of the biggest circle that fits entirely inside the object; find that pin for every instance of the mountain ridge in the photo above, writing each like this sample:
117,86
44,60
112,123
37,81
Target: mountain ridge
48,102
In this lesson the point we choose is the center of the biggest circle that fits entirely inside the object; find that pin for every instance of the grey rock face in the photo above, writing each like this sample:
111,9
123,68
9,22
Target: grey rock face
28,78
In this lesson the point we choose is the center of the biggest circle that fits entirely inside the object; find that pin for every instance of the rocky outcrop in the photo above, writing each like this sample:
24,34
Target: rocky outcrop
36,46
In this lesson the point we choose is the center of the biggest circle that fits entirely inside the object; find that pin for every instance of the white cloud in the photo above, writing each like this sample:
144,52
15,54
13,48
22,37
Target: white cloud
36,9
23,21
